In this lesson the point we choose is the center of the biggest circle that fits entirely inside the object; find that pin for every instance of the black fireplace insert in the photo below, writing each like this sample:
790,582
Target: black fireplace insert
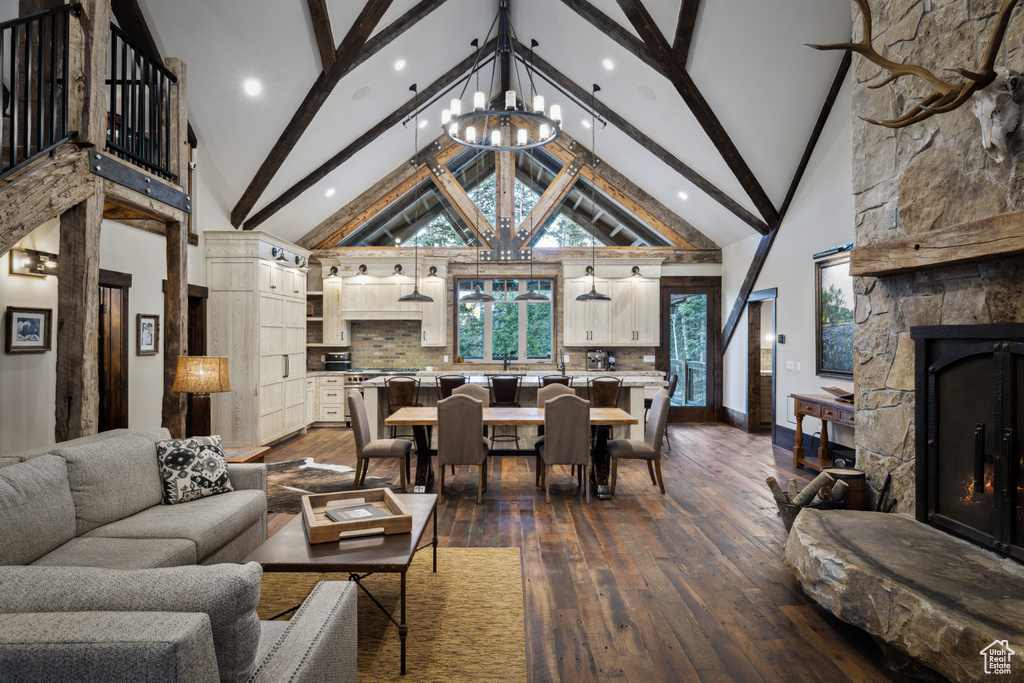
969,416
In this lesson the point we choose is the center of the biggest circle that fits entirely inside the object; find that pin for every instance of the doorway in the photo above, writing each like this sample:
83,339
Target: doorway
691,346
113,349
761,376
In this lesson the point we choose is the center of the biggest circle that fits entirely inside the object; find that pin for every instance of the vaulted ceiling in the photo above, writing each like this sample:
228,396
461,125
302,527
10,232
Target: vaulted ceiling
746,59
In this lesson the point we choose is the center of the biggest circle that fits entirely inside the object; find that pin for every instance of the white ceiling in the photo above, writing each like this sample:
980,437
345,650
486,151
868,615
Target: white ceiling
747,57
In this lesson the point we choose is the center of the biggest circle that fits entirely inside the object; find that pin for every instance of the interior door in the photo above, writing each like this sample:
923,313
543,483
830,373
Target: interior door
691,347
113,351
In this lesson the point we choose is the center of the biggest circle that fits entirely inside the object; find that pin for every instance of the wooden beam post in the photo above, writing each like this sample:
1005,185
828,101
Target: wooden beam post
178,152
78,307
463,205
176,327
548,203
87,66
322,31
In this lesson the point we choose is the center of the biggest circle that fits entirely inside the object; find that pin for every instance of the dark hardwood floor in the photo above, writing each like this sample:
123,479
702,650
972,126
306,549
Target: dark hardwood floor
648,587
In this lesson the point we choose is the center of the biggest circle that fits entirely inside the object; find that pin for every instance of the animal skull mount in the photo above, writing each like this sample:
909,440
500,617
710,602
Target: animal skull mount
997,112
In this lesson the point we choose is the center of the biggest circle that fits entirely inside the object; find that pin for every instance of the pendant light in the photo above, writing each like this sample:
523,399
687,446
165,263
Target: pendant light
478,295
593,294
415,296
529,294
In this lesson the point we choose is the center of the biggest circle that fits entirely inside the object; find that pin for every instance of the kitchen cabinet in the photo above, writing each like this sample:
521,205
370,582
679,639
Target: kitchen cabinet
586,322
368,297
257,318
337,330
310,413
330,399
435,313
635,310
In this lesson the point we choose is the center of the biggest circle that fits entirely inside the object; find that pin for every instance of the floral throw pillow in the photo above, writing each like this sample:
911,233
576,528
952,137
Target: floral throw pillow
192,468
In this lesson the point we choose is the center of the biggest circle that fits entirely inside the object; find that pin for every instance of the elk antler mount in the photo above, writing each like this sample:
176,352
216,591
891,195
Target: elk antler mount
945,96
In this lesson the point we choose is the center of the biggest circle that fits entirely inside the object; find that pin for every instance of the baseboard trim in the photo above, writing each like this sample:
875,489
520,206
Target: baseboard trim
734,418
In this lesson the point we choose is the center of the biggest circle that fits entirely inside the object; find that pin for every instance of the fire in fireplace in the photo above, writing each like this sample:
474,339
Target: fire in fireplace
969,392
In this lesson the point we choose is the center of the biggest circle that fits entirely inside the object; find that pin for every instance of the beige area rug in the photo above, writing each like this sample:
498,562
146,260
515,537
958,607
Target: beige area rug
465,621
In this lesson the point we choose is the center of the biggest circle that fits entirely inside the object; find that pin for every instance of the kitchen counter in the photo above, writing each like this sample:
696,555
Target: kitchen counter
532,379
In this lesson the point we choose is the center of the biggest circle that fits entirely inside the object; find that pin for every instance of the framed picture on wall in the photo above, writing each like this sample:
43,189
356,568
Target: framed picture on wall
28,330
147,337
834,317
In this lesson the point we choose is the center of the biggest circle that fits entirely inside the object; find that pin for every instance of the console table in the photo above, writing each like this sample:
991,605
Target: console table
827,409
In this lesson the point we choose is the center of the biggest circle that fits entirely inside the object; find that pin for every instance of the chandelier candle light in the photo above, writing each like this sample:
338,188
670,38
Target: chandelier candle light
510,128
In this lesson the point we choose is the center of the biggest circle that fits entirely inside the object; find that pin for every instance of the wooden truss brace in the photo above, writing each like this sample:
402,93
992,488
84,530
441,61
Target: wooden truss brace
461,201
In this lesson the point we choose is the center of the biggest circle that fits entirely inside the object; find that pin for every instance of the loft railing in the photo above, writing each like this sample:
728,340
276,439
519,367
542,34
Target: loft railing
34,104
139,112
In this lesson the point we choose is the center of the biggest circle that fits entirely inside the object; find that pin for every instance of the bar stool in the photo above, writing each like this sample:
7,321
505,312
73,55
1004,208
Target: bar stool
555,379
447,383
505,394
604,393
673,378
403,392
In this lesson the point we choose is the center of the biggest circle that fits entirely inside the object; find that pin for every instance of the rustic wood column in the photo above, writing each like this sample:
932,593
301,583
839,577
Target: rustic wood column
78,306
87,64
176,328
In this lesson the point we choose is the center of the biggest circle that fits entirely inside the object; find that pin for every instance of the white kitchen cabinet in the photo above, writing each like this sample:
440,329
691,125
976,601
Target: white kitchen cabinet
635,310
257,318
337,330
435,313
310,412
369,297
586,322
330,399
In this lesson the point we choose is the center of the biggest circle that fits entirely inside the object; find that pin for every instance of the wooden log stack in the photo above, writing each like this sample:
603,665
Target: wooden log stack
824,488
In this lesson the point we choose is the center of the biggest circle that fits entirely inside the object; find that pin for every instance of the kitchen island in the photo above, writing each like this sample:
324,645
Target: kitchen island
636,386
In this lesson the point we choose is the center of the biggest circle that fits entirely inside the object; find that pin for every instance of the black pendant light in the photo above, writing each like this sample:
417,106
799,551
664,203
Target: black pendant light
529,294
478,295
415,296
593,294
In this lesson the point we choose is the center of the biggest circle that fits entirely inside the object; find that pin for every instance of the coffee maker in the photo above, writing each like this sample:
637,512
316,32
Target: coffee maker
597,359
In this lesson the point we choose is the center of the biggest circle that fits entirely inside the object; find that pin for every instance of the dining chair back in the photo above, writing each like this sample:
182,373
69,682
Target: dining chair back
505,394
459,437
474,390
546,393
604,391
446,383
555,379
367,448
402,392
566,439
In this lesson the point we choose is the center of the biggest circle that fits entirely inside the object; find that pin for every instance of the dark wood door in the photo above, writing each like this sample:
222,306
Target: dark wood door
113,357
691,347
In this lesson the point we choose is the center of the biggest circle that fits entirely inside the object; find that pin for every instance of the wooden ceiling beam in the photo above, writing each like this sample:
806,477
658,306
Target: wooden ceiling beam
346,54
548,71
322,31
684,85
765,245
611,28
684,31
543,255
548,202
457,196
382,126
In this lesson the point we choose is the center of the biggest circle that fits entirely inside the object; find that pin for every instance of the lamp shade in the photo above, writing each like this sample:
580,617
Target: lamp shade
202,375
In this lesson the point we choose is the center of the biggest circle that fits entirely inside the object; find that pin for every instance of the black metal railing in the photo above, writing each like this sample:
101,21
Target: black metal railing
34,104
139,112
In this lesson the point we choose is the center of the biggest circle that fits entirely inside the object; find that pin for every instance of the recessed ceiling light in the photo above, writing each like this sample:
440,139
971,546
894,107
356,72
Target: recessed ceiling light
608,64
586,123
683,195
252,87
329,192
399,65
423,123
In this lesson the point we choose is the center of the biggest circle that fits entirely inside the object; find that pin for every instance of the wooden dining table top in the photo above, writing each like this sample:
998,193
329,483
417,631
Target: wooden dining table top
427,415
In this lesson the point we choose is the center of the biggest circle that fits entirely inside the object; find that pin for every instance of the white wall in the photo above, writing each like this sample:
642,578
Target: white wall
28,381
820,217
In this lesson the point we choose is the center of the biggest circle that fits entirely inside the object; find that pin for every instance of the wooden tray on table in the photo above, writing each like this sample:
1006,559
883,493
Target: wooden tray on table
321,529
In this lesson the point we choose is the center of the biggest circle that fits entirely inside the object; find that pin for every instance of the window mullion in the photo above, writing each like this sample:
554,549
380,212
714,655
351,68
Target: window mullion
488,322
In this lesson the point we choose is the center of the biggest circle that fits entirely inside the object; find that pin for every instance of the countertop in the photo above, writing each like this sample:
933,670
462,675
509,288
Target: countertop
532,379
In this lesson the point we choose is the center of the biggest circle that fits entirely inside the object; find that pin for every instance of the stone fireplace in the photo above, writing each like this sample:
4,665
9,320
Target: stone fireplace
970,413
936,176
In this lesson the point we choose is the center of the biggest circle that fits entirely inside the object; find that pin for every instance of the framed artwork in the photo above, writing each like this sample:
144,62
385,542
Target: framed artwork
147,334
28,329
834,317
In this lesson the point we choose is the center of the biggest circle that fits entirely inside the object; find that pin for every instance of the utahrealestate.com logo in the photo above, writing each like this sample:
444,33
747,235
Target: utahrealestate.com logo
997,657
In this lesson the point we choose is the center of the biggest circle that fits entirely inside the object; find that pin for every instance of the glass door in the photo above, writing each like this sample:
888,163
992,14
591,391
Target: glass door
690,349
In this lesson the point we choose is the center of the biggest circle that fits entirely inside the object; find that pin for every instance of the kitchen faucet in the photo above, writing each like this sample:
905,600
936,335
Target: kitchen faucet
561,366
504,366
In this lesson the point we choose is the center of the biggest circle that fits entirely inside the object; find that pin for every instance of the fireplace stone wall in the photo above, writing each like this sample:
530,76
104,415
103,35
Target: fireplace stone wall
936,175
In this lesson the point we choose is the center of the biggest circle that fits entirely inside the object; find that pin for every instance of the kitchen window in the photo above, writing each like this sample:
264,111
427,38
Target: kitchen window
522,330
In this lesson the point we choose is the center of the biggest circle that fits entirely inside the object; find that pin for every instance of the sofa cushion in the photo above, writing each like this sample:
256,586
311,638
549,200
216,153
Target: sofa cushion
192,468
36,509
121,553
9,460
112,478
208,522
228,593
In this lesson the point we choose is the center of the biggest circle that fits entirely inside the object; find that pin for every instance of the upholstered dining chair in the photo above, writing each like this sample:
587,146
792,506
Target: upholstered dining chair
460,419
473,390
673,378
556,379
446,383
505,394
402,392
566,439
649,449
378,448
544,394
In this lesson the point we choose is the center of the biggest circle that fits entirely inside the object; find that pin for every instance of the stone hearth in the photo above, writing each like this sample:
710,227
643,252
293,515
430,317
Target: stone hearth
933,597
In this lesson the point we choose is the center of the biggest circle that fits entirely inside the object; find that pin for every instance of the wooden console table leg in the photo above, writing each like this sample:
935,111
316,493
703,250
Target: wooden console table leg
823,444
798,444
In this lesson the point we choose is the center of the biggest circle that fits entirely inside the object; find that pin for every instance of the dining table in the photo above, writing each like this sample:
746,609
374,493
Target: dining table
422,417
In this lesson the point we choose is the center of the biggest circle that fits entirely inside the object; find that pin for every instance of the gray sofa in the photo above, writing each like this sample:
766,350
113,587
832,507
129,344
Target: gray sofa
99,581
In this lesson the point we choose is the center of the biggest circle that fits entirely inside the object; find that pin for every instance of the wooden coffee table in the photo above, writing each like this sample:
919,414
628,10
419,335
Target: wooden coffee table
289,551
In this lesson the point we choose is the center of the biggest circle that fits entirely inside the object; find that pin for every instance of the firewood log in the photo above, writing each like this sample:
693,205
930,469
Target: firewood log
792,489
807,495
780,497
839,490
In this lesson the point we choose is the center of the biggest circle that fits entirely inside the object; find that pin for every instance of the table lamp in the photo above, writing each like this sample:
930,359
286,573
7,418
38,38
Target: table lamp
201,376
